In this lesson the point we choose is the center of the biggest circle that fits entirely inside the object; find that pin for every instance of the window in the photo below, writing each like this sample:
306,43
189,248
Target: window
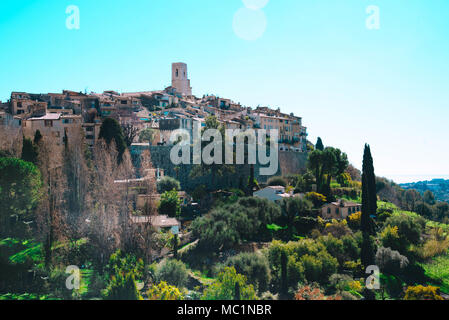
337,211
177,73
48,123
329,210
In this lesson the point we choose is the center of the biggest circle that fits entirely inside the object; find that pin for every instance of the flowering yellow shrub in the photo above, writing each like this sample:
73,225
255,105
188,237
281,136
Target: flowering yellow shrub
422,293
355,220
164,291
355,285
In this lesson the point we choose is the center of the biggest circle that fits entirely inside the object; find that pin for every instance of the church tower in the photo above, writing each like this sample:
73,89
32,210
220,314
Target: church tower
180,79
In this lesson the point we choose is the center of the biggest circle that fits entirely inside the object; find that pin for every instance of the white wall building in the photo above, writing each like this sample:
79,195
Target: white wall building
274,193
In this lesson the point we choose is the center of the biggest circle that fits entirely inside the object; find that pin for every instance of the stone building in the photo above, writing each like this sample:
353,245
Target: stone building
180,79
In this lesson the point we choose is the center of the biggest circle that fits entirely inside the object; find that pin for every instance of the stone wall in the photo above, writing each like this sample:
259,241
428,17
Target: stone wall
289,162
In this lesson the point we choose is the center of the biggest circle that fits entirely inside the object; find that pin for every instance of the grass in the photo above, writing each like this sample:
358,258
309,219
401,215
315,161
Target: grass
438,272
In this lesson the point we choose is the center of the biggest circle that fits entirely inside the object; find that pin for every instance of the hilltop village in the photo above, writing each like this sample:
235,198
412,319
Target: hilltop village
87,185
162,111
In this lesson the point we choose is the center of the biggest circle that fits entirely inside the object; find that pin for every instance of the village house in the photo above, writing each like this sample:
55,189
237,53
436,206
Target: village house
274,193
339,209
160,223
52,125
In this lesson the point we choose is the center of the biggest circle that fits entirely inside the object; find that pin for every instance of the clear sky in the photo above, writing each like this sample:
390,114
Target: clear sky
388,86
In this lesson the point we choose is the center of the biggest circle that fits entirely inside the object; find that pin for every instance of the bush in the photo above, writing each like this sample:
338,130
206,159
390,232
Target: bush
422,293
317,199
390,261
123,270
170,204
224,288
308,260
350,193
173,272
434,248
401,231
164,291
277,181
199,193
254,266
355,220
337,228
229,224
122,287
168,184
313,292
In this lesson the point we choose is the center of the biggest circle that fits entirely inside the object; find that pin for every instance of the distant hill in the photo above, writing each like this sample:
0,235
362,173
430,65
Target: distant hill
439,187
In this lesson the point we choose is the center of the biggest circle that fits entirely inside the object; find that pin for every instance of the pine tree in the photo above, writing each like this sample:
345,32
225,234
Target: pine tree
319,144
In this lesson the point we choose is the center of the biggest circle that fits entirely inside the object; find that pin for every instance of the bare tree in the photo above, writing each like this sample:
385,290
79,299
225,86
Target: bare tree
50,217
11,140
77,174
130,133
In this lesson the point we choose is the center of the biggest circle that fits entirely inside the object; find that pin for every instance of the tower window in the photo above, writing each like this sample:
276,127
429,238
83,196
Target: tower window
177,73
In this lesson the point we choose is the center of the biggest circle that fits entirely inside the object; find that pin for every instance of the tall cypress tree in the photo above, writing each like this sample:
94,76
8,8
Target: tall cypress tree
369,208
319,144
37,137
29,151
369,195
110,129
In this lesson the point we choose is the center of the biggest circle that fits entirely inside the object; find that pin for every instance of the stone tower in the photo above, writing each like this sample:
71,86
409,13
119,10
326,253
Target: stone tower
179,78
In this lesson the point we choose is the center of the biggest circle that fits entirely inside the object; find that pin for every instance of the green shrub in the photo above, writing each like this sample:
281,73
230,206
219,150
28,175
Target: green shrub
277,181
224,288
173,272
164,291
254,266
170,204
122,287
168,184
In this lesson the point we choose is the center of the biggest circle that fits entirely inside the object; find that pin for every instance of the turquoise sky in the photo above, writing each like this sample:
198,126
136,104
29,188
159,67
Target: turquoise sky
388,87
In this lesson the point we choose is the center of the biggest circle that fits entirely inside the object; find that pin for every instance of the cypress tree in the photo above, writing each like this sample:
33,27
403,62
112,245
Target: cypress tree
251,181
237,291
284,284
175,246
369,196
29,151
110,129
319,144
369,208
37,137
